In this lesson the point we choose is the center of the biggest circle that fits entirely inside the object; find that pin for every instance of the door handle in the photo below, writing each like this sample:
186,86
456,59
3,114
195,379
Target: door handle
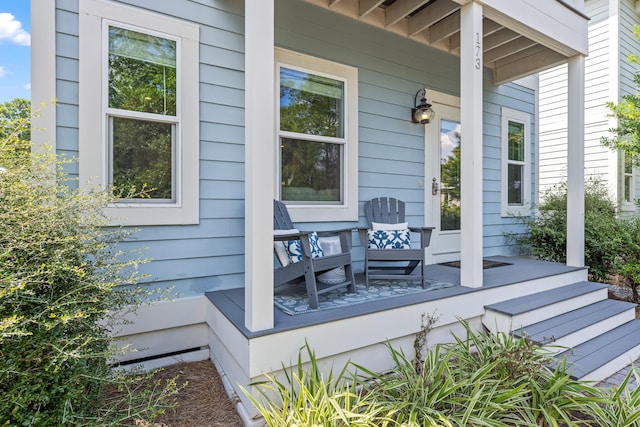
434,187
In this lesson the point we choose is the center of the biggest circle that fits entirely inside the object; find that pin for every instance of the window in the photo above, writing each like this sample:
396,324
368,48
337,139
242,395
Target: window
141,113
516,167
139,125
628,185
317,138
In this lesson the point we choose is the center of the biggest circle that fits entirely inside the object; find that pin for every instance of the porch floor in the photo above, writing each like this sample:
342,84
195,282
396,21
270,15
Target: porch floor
230,302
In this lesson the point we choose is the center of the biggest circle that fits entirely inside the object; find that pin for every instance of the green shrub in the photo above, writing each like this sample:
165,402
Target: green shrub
546,233
627,263
60,277
478,380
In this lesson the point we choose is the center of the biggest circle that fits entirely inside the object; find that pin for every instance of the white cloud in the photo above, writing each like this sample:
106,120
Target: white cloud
3,72
11,30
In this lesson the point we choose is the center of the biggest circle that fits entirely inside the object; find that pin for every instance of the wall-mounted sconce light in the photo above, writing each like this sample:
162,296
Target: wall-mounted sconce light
422,113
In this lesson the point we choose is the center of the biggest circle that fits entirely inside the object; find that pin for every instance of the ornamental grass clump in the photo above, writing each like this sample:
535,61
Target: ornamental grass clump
60,282
479,379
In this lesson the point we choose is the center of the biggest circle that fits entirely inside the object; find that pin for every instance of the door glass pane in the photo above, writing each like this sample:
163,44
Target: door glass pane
449,175
310,171
311,104
514,178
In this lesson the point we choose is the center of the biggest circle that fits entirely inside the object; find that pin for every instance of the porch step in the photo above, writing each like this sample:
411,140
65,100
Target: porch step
597,336
570,329
604,355
515,313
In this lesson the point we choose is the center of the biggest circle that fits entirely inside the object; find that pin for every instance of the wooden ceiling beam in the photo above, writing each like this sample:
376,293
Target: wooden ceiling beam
525,63
367,6
501,52
499,38
445,27
400,9
430,15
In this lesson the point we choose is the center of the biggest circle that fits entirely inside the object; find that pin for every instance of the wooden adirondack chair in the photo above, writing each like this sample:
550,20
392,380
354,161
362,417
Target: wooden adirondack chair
388,214
309,267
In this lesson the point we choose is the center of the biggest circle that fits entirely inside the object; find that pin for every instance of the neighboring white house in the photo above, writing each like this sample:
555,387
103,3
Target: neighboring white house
212,111
608,77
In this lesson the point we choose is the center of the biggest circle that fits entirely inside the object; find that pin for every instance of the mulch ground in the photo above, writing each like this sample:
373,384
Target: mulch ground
203,402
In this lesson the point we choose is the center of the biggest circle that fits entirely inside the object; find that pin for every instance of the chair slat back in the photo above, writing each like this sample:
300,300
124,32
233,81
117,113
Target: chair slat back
384,209
281,218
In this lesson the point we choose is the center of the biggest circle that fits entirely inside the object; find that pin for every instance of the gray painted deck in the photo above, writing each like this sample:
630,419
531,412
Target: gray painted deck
591,355
231,302
527,303
560,326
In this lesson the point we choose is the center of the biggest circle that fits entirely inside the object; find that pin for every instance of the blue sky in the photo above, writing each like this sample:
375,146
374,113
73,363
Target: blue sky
15,41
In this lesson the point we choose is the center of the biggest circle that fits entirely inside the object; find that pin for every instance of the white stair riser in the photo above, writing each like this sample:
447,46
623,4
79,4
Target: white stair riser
613,366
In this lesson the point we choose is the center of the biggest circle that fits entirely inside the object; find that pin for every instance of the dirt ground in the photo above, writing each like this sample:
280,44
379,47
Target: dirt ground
202,402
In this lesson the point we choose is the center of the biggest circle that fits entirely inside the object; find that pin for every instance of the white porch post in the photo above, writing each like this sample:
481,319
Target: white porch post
471,71
575,163
259,163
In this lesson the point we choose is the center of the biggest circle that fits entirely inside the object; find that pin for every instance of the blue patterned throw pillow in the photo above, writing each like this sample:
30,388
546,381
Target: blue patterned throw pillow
294,248
389,239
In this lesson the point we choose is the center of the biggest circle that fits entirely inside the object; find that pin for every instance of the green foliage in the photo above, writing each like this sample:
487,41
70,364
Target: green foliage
478,380
627,263
13,112
547,232
307,398
60,282
626,135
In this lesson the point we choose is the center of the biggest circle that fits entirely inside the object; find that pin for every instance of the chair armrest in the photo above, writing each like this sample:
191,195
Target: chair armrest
425,235
362,235
281,237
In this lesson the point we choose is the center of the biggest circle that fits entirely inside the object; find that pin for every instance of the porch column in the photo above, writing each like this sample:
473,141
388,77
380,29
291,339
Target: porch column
471,72
259,100
575,162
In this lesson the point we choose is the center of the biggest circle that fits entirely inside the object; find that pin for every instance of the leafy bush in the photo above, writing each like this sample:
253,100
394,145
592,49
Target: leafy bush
627,263
60,277
547,232
478,380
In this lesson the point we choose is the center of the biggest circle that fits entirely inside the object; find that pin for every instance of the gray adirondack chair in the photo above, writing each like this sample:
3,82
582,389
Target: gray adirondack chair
390,263
307,269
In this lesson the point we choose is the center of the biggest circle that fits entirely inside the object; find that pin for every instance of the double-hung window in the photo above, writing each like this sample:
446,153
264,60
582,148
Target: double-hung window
516,163
628,184
316,137
139,112
142,114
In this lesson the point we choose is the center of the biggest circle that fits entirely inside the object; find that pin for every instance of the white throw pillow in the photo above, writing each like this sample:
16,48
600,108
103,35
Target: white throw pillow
281,251
389,227
331,246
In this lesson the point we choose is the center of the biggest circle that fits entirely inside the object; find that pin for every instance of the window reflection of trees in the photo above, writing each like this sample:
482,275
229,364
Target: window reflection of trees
450,185
142,78
311,105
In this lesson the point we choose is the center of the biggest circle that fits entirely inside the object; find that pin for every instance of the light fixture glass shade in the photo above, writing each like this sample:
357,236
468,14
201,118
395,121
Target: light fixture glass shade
422,113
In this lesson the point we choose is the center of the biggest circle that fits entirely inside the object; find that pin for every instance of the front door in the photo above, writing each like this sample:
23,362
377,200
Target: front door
442,176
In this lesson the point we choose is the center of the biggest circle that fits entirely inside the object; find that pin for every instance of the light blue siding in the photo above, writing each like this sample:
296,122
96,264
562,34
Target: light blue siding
391,69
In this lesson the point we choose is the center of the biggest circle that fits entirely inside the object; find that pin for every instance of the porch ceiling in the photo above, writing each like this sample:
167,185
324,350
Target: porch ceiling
521,37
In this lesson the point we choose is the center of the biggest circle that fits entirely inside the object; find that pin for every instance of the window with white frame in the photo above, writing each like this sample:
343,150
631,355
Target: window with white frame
139,124
317,137
516,163
628,182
